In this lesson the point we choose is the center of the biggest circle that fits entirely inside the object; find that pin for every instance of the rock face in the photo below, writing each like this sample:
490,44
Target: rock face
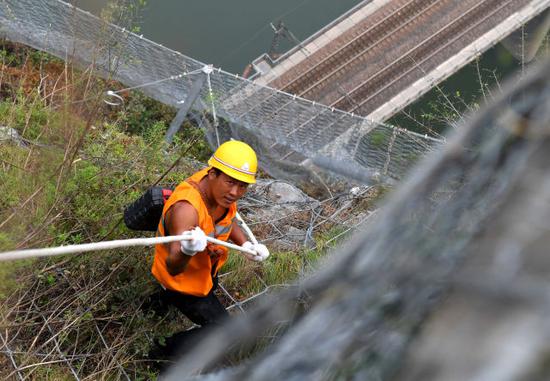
284,208
10,135
282,193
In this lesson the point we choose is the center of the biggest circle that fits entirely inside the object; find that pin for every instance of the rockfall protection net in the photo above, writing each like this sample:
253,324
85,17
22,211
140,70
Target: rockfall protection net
483,202
291,135
65,317
470,225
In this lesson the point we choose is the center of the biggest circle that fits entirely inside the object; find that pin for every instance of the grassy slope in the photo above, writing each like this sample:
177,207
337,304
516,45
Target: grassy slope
81,164
69,184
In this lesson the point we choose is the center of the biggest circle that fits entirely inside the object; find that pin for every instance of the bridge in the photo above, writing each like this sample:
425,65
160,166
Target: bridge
385,54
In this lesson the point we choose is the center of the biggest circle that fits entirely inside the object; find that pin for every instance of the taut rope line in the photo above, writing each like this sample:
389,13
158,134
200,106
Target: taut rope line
106,245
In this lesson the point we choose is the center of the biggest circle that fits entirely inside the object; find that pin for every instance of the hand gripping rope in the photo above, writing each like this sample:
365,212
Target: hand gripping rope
73,249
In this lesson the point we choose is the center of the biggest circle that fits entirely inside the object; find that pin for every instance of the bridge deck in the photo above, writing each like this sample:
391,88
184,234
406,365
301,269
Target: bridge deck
389,52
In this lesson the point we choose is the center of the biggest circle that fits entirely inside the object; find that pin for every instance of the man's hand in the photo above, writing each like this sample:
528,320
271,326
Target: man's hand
195,243
261,251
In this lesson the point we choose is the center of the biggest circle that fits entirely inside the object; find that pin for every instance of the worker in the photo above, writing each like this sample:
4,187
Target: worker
203,205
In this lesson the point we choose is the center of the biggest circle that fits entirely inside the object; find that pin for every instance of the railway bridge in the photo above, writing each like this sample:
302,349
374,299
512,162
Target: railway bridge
384,54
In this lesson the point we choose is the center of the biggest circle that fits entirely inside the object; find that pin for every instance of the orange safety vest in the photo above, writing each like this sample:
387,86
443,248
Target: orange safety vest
196,279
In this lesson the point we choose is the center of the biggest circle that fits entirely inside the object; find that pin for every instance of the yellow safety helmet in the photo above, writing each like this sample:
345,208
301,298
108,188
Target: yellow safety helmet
237,160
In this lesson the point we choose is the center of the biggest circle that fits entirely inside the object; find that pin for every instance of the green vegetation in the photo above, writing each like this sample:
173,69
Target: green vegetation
67,183
446,103
78,165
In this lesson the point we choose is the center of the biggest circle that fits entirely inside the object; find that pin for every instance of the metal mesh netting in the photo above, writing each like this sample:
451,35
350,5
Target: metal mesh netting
471,225
285,130
69,323
461,247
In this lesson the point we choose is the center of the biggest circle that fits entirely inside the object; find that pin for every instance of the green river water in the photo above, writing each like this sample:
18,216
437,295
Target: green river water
230,34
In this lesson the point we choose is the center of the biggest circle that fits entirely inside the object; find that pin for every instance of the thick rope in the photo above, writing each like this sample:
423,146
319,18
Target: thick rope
106,245
246,229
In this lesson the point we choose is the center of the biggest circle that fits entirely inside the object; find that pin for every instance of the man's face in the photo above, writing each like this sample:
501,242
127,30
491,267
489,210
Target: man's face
225,189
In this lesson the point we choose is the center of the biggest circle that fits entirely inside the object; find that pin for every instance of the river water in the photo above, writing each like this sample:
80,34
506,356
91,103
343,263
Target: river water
230,34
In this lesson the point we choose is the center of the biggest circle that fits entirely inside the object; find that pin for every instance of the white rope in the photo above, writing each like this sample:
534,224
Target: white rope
246,229
208,70
106,245
171,78
120,100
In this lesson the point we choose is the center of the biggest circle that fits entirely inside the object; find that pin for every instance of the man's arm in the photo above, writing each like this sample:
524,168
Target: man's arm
181,217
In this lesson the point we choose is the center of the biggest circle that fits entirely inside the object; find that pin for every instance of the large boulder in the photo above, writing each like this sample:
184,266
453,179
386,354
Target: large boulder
282,210
10,135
